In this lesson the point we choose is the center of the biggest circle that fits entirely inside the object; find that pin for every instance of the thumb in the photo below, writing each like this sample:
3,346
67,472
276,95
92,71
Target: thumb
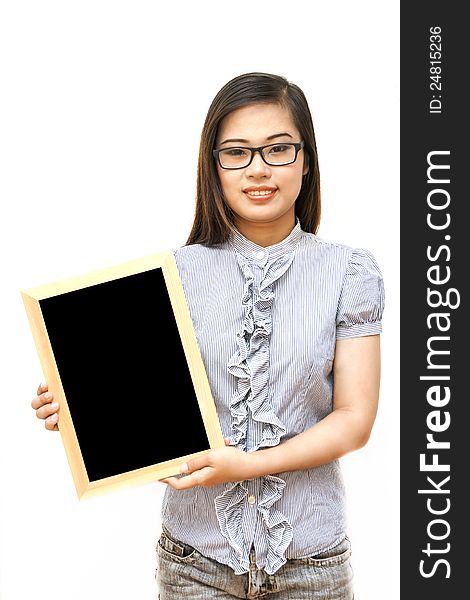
194,465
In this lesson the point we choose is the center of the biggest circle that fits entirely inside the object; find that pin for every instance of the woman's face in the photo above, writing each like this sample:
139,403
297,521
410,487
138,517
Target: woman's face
261,196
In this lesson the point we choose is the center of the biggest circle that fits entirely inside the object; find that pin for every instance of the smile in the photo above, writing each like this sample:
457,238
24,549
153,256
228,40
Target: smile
260,193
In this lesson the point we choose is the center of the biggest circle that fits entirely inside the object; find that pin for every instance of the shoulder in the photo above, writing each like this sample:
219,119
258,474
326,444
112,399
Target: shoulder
199,252
337,253
310,242
198,263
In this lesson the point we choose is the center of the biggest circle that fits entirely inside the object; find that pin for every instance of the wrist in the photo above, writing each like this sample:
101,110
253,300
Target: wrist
265,462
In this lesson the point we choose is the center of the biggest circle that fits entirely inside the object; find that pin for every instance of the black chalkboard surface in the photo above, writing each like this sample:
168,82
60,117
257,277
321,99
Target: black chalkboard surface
120,354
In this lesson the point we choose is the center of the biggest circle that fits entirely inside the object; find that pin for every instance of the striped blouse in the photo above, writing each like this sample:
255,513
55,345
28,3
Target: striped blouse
267,320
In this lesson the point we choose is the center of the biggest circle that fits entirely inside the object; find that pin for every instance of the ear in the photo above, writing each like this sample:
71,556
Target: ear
306,168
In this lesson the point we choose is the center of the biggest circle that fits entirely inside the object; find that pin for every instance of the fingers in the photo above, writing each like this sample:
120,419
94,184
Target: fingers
51,423
42,387
195,464
43,397
189,481
196,471
45,408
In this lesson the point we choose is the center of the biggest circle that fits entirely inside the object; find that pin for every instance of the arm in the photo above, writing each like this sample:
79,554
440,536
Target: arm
347,428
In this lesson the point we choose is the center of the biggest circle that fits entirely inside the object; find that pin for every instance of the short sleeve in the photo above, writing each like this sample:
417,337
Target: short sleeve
361,301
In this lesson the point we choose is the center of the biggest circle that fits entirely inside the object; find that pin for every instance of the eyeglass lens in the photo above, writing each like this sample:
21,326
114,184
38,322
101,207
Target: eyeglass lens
274,154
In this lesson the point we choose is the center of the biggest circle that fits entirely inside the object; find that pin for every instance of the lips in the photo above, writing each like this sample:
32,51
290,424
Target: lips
260,192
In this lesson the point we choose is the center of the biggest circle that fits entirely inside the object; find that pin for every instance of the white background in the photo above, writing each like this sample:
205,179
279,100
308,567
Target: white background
89,90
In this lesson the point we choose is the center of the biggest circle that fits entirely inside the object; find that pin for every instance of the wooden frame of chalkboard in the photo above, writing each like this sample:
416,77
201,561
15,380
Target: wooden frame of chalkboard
119,352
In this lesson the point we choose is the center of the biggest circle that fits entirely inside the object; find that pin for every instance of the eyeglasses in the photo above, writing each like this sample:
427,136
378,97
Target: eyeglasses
275,155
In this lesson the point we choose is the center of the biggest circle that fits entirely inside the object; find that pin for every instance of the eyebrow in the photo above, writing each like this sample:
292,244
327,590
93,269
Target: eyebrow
270,137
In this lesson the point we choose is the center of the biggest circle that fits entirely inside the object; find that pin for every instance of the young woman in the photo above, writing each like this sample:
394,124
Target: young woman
288,325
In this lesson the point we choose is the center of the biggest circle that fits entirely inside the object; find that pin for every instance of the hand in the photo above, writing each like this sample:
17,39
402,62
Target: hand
45,407
220,465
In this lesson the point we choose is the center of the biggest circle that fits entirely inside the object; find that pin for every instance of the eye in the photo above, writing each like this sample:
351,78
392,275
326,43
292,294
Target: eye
235,152
279,148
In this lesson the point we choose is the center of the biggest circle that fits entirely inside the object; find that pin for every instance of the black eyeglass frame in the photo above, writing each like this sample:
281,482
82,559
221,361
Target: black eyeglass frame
297,145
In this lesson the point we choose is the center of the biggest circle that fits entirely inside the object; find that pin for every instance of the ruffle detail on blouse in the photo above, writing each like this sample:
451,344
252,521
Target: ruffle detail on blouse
250,365
253,346
229,508
279,530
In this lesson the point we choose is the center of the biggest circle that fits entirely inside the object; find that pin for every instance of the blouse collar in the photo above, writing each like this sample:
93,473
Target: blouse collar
254,252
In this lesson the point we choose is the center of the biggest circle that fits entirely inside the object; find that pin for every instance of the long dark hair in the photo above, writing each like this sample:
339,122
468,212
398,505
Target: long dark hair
213,219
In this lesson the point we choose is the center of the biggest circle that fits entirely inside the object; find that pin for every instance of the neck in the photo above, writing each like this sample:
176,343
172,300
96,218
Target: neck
266,234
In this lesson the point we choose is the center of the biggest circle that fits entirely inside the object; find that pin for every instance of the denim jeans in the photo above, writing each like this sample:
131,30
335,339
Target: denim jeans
182,572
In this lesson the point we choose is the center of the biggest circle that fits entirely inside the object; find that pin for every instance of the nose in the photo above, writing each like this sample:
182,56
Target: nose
258,168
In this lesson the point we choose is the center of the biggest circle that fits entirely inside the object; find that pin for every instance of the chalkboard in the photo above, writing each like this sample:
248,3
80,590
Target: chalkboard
120,355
